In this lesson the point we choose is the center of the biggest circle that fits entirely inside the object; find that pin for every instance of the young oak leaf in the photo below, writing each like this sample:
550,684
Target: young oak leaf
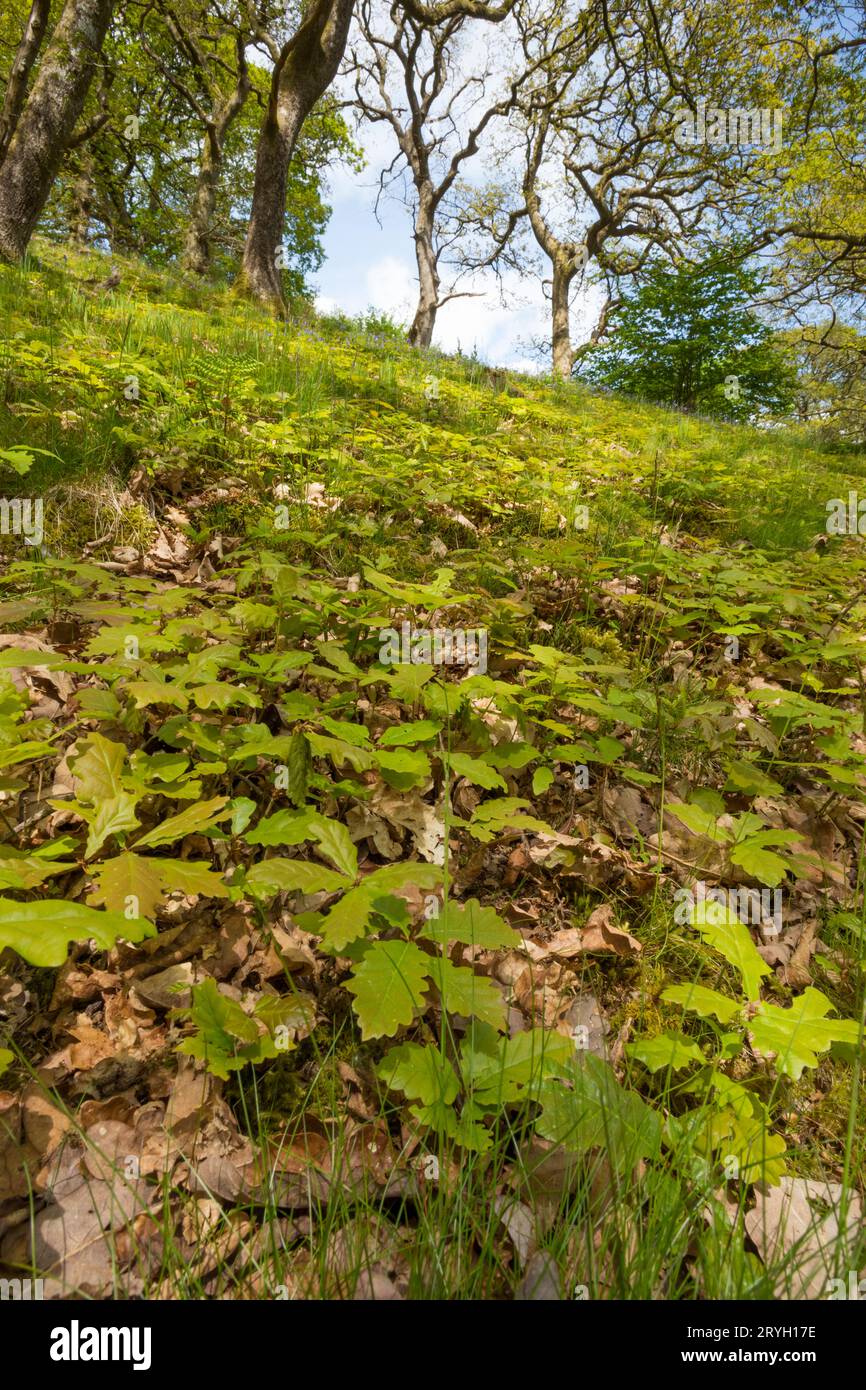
722,929
598,1113
41,932
471,925
796,1035
464,992
129,878
670,1049
388,985
146,881
97,768
225,1038
350,917
199,817
113,816
753,856
475,771
421,1073
272,876
697,999
293,827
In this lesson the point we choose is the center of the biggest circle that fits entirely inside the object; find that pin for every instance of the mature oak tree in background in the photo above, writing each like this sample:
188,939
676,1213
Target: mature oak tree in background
304,67
47,120
214,80
416,79
19,73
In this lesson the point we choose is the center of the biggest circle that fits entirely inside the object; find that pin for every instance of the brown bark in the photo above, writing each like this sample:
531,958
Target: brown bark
195,256
82,203
305,69
421,332
562,351
25,57
48,119
196,253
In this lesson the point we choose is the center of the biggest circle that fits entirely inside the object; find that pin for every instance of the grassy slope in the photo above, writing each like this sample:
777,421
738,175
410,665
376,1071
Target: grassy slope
695,532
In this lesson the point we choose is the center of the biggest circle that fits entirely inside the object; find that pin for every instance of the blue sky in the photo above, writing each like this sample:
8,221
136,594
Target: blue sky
372,265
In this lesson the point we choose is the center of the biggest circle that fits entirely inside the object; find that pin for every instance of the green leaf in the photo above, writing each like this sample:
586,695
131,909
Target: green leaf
750,854
243,810
112,816
21,870
723,930
475,771
350,918
340,751
298,765
796,1035
141,883
272,876
498,1070
23,658
41,932
221,695
464,992
401,735
147,693
129,879
97,768
597,1113
335,843
697,999
403,768
503,813
542,778
282,828
226,1038
294,827
472,925
421,1073
20,459
672,1050
195,818
192,876
746,777
25,752
388,985
698,820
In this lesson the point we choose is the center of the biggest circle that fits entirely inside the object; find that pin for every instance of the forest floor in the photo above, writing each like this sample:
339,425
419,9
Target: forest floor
432,809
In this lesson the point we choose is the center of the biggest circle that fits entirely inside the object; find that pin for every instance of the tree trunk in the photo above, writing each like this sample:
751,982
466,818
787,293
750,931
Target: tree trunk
196,247
421,332
308,66
48,119
563,353
196,255
16,88
82,204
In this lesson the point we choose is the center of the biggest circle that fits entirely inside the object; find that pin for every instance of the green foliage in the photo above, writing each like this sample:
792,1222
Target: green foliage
242,742
41,931
688,337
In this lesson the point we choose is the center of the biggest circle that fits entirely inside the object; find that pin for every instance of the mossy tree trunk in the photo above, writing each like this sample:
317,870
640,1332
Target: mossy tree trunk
305,68
47,120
